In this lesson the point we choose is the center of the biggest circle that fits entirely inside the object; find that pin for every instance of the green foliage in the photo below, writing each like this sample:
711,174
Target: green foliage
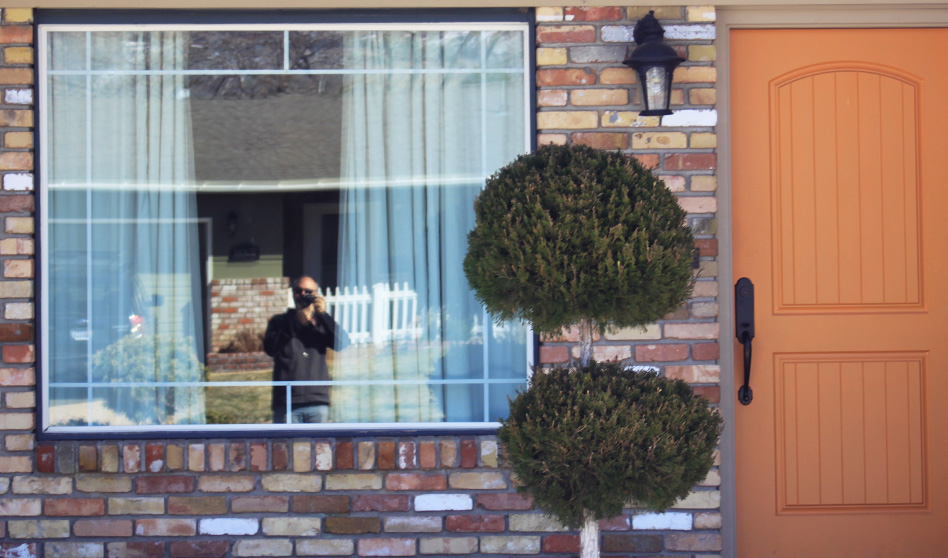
599,437
148,359
570,233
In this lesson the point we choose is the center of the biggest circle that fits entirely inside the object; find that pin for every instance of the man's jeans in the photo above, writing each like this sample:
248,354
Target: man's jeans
309,413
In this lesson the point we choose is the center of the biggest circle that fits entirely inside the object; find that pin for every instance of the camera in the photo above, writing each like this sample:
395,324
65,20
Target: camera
306,300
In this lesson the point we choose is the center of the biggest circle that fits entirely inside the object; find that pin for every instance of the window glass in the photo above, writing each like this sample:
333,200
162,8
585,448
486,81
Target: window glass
189,175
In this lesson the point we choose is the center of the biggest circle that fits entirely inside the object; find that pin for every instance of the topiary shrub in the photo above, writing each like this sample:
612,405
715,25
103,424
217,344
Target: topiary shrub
592,439
572,234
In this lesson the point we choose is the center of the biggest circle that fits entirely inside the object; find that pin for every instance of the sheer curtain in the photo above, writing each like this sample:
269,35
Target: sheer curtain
125,283
413,161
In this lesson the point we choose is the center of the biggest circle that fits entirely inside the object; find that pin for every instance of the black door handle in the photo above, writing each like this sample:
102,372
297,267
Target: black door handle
744,331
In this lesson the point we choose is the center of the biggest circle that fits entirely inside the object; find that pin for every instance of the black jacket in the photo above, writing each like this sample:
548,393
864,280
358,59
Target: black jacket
299,353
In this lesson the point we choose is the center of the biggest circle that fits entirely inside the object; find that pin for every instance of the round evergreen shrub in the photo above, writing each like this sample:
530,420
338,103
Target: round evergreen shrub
595,438
572,233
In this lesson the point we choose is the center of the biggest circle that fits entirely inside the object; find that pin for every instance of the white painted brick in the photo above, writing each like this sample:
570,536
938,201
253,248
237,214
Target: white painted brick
18,181
18,96
689,32
443,502
323,456
228,526
640,368
704,117
666,521
19,551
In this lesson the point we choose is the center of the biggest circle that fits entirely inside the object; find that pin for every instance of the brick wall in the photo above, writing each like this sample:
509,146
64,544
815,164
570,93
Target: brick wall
244,304
371,496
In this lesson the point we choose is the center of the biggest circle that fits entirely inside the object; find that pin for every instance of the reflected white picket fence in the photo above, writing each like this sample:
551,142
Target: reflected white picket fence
378,315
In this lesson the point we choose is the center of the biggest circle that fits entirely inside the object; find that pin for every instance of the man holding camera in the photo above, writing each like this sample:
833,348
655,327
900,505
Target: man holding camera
298,340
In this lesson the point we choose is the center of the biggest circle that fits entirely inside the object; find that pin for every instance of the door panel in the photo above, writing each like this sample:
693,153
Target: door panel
840,218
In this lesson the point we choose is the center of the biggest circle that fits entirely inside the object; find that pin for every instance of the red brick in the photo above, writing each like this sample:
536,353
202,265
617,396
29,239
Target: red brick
16,203
386,547
199,549
160,485
593,14
475,523
504,501
415,481
17,377
16,34
468,454
631,543
381,503
154,457
681,314
617,523
427,456
617,76
566,34
16,332
602,140
136,550
551,354
102,528
46,459
711,393
352,525
707,246
74,506
345,459
255,504
691,161
280,456
706,351
572,76
18,353
258,457
386,455
648,160
320,504
660,353
560,543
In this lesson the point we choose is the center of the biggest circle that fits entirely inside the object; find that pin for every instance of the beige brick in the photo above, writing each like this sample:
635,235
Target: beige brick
18,311
16,246
15,118
692,331
18,269
700,13
552,139
18,15
262,547
18,140
534,522
704,140
698,204
552,98
355,481
701,53
477,481
17,421
18,55
16,160
489,453
19,225
607,353
704,309
704,183
165,527
448,545
566,120
226,483
551,56
595,97
110,458
302,457
713,479
638,12
103,483
659,140
21,400
409,524
289,482
704,499
695,374
510,545
328,547
650,332
43,529
696,74
707,269
323,456
628,119
136,506
549,14
42,485
292,526
19,442
673,182
196,457
703,96
708,521
20,507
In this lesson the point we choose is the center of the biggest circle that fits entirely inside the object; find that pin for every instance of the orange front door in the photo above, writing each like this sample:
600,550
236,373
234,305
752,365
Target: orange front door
840,213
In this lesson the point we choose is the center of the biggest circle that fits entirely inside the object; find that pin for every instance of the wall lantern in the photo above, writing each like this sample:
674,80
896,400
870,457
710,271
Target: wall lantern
654,63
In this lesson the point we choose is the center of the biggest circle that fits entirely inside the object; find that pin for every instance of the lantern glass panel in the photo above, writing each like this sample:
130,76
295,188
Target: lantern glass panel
655,85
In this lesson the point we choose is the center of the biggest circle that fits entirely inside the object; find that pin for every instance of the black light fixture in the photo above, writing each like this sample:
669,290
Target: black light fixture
654,63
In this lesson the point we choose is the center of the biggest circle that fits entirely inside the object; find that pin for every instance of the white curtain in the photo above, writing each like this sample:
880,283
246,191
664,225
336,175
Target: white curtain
413,160
123,232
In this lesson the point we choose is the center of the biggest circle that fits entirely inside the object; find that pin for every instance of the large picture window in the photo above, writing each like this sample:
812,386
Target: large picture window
189,173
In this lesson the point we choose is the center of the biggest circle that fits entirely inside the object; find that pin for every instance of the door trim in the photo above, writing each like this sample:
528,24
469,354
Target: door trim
776,17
